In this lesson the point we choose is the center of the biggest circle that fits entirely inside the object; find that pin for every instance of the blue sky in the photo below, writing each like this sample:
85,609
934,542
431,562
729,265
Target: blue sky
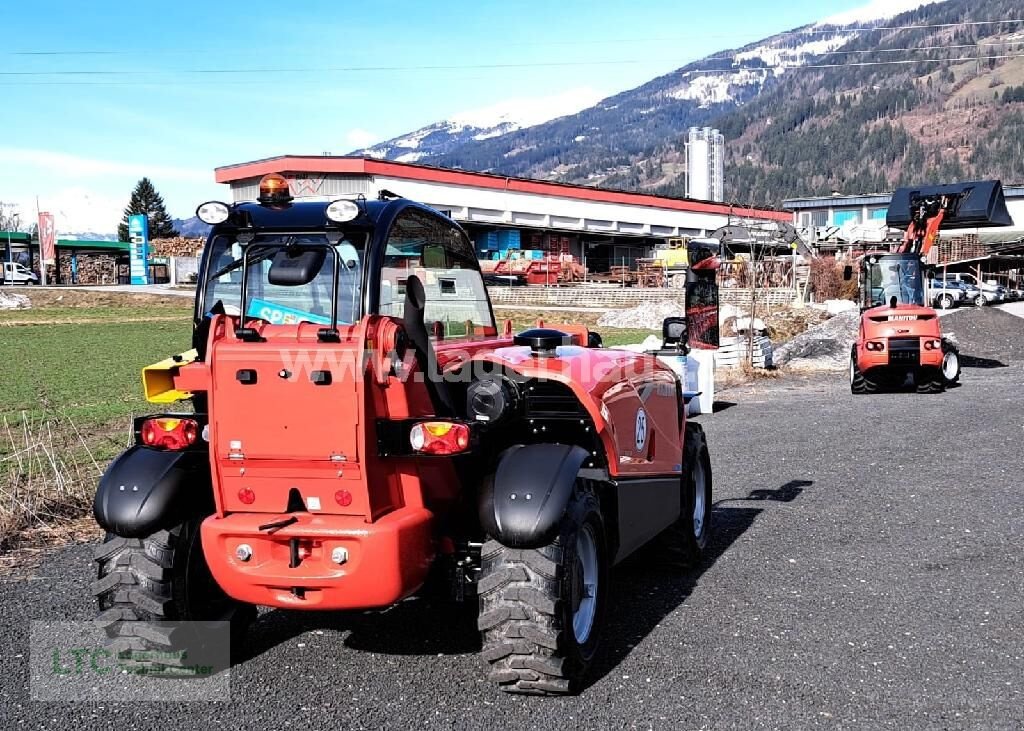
99,94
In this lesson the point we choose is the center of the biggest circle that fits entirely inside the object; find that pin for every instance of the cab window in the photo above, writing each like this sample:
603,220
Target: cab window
278,304
441,256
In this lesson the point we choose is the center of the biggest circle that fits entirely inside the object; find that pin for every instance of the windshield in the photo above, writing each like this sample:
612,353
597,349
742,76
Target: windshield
279,304
899,278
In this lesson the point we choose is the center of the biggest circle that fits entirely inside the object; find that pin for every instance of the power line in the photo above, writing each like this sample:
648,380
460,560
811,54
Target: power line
385,69
809,30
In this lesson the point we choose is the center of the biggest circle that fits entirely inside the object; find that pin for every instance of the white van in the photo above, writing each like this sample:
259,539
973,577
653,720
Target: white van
14,273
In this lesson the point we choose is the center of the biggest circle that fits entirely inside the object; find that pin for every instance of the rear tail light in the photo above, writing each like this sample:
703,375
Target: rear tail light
169,433
439,437
343,498
875,345
246,496
932,344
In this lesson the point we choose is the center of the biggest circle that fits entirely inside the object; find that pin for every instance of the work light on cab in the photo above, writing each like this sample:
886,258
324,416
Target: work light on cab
169,433
213,212
342,211
274,190
439,437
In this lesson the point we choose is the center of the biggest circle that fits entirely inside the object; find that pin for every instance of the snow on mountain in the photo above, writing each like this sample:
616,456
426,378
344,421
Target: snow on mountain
752,67
481,124
874,11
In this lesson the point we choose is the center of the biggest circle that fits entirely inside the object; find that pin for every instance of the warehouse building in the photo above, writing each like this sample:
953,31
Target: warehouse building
600,228
850,223
845,217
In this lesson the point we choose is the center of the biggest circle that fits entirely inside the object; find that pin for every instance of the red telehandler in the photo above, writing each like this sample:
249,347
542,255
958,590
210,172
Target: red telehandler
899,335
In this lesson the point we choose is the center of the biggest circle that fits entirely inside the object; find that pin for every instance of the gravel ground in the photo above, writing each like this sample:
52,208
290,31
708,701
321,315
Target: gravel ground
824,347
986,333
867,572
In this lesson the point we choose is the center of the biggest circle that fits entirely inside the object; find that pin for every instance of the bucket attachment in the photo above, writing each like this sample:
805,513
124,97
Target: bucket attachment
968,205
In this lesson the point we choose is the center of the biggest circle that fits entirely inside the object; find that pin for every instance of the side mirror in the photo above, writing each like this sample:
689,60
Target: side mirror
674,331
294,268
847,272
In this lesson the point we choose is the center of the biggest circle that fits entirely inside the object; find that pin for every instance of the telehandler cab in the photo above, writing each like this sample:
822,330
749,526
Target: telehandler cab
899,335
362,427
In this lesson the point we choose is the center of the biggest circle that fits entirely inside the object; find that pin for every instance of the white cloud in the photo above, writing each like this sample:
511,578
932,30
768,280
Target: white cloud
89,194
360,138
74,209
74,166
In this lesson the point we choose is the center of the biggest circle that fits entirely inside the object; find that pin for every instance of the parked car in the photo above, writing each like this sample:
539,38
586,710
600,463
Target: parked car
945,294
970,290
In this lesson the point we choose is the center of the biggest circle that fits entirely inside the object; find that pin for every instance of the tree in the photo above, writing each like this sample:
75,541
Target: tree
147,201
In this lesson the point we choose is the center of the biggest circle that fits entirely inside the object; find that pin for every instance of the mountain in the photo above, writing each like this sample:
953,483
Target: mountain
943,101
481,124
856,102
191,228
87,236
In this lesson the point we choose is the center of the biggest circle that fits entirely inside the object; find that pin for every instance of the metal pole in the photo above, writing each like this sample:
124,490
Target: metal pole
39,239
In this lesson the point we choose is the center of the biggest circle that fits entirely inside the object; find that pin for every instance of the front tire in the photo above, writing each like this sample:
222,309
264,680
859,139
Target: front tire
160,578
687,539
542,610
946,302
950,365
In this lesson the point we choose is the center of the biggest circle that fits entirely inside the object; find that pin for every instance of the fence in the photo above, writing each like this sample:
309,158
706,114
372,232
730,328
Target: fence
184,269
613,298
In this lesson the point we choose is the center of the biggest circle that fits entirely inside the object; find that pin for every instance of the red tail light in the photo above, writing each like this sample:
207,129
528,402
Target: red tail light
247,496
343,498
932,344
169,433
875,345
439,437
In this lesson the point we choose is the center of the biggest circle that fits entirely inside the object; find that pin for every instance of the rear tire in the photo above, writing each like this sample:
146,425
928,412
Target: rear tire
929,380
160,578
859,383
946,302
542,610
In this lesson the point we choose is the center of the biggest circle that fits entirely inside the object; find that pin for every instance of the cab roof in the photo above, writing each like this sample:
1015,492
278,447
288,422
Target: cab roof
302,214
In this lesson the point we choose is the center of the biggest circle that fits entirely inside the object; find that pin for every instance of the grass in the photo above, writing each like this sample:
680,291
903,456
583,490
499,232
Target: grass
65,315
67,392
89,373
525,319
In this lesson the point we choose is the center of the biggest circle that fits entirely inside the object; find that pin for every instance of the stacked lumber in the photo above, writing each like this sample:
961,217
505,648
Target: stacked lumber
92,269
178,246
958,248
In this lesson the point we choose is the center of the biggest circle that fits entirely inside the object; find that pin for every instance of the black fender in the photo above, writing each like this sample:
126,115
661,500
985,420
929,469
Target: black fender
145,490
522,506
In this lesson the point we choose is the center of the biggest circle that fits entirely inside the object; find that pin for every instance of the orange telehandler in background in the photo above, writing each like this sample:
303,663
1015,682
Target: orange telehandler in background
899,336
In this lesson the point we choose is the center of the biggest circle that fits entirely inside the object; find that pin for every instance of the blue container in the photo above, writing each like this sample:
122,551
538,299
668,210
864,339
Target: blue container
508,239
487,241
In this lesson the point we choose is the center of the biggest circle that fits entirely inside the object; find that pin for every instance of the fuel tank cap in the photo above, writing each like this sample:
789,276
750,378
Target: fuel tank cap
542,341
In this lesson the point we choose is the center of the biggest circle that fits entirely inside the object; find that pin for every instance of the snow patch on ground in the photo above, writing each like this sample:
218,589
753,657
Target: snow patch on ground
527,112
11,301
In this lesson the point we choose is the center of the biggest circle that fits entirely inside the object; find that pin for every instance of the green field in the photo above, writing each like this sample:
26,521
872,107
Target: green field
88,372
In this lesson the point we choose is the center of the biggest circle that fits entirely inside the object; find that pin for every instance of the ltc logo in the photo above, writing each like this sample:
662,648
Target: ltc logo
640,435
